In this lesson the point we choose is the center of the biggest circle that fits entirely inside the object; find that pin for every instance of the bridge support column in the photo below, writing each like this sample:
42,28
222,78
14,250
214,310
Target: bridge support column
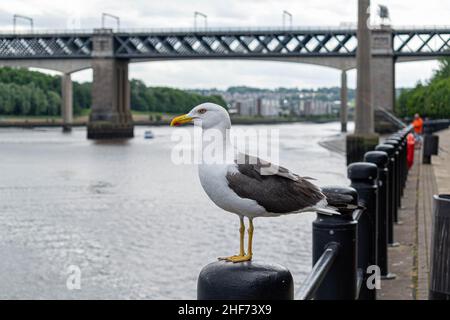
344,100
110,117
383,69
383,78
364,138
66,102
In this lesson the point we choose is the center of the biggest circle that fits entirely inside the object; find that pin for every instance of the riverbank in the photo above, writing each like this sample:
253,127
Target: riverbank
143,120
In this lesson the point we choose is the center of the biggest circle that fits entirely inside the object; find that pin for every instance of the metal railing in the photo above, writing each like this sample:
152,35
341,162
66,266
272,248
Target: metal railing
319,271
340,28
373,183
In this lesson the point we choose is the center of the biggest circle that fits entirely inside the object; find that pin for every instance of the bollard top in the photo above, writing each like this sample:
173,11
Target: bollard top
395,137
345,199
388,148
380,158
251,280
362,171
395,143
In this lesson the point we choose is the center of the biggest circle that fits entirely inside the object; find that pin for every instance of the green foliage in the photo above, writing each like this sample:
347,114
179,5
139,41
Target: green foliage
168,100
24,92
432,99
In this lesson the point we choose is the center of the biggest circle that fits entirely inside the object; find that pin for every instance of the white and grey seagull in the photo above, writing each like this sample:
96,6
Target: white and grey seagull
250,188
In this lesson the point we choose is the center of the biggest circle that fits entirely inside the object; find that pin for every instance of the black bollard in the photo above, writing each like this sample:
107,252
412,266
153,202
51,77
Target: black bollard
440,249
400,166
340,281
223,280
381,160
363,176
403,160
390,150
396,174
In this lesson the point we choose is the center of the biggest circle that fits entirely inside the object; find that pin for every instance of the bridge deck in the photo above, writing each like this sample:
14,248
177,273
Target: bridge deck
219,43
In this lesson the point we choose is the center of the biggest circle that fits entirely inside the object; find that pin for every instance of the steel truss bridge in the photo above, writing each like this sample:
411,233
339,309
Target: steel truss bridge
220,44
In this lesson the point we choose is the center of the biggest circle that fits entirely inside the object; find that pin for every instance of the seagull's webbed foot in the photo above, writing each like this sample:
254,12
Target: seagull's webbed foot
228,258
237,258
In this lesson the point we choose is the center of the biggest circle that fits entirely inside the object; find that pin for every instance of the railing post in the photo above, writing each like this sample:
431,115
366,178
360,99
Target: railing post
223,280
390,150
400,165
395,173
340,281
381,159
403,160
363,177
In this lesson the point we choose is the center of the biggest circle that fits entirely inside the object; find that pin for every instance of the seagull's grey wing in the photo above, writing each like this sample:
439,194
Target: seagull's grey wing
276,193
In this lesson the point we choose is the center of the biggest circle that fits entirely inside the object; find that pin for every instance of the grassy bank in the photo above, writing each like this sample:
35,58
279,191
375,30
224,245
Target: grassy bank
149,118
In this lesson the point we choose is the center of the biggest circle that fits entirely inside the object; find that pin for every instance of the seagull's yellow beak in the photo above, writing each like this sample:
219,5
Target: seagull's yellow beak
180,120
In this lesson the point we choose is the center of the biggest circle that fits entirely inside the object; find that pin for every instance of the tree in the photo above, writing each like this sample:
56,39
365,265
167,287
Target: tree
24,92
431,99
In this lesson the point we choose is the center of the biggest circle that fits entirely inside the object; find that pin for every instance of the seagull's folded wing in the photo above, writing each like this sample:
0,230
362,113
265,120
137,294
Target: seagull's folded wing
275,188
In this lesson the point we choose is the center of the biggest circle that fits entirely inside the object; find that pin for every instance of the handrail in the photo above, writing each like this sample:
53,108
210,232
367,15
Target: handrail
347,28
319,271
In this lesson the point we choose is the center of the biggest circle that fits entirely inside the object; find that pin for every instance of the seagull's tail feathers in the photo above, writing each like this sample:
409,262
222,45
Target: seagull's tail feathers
329,211
341,202
324,207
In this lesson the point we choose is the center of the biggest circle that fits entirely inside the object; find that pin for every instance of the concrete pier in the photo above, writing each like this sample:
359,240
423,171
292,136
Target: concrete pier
67,102
364,138
344,101
110,115
383,69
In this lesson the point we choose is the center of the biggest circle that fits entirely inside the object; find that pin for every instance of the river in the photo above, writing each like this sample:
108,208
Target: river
133,223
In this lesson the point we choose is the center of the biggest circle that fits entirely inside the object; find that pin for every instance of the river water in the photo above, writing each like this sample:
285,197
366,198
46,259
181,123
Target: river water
132,224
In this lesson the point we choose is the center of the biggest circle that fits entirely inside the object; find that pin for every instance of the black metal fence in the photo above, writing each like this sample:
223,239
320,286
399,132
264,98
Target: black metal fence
360,236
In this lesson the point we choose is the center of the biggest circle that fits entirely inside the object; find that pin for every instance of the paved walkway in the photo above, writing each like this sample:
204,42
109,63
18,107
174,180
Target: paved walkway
410,259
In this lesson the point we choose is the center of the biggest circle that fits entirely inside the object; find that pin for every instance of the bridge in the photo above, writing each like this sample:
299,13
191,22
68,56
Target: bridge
108,53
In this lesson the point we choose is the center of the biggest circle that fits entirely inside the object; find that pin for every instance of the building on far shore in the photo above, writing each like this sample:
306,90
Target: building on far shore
313,107
261,106
247,101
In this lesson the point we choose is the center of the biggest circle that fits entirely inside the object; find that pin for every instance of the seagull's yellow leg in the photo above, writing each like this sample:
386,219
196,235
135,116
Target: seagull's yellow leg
241,241
241,236
248,256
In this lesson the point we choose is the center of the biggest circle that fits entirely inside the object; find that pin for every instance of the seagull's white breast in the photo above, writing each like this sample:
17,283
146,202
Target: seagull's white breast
214,182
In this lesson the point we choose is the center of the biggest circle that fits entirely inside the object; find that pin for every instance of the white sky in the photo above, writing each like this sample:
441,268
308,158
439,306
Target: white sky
55,14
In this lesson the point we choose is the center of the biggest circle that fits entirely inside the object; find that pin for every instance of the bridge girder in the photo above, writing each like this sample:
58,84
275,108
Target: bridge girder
231,44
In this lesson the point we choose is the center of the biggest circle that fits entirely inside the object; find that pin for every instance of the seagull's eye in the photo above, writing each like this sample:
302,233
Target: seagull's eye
201,111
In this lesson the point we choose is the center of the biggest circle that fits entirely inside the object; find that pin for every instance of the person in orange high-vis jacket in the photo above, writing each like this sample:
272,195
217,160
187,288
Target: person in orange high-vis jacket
418,128
418,124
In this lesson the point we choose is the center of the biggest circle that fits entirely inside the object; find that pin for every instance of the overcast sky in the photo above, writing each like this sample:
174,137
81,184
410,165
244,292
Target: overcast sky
221,13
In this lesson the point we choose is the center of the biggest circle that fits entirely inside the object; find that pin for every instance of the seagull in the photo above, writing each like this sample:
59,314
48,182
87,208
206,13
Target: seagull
247,185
